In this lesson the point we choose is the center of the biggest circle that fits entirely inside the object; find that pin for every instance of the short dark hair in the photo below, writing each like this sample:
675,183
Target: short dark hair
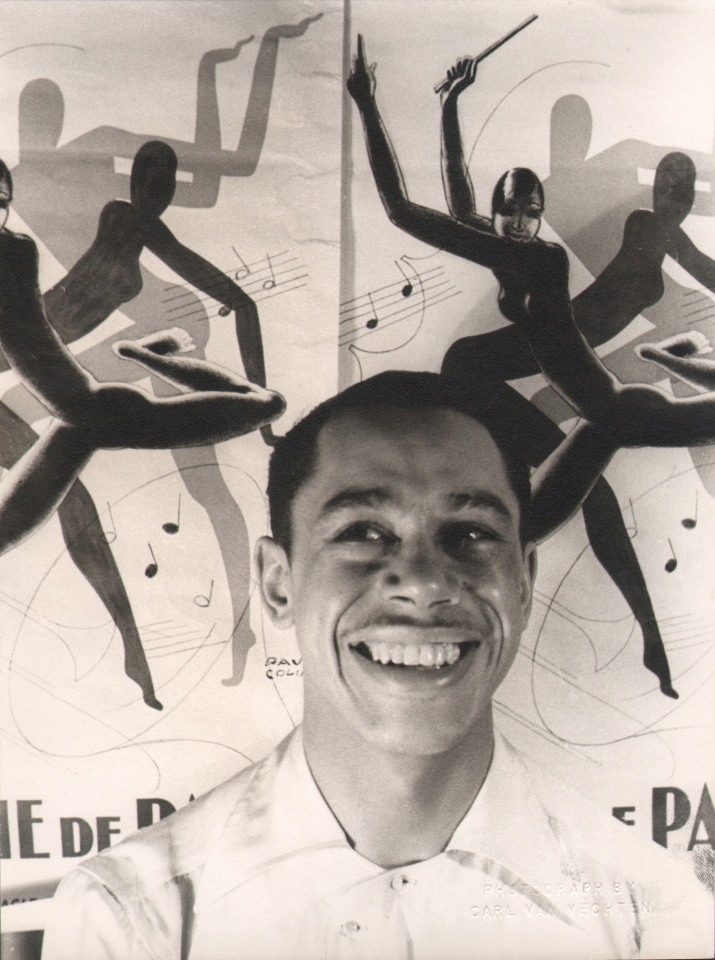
524,181
294,456
6,175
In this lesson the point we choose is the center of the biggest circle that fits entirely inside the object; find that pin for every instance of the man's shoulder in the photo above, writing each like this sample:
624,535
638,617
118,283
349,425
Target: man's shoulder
577,818
595,842
179,845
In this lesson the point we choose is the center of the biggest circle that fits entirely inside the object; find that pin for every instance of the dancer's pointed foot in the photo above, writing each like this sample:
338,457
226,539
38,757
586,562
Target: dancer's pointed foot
655,659
151,701
162,342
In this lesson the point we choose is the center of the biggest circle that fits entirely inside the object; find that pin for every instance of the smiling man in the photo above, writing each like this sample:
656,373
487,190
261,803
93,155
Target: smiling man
395,822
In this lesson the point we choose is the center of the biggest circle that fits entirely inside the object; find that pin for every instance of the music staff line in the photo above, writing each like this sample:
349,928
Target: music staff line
396,290
706,310
271,277
189,632
219,275
184,649
367,307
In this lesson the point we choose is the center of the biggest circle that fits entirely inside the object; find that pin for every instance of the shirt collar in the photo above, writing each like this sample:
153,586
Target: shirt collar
282,813
508,825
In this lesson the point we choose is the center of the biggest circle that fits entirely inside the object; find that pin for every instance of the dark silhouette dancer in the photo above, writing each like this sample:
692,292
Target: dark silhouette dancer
79,176
533,277
590,197
215,404
109,274
80,524
630,283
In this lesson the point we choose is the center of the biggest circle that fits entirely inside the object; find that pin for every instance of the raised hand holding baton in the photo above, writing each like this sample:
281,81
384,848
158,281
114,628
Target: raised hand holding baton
495,46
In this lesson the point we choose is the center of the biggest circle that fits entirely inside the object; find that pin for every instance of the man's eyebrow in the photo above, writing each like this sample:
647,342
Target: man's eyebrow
480,499
356,497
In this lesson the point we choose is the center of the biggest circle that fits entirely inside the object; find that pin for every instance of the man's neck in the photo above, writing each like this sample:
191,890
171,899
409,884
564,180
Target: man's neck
398,808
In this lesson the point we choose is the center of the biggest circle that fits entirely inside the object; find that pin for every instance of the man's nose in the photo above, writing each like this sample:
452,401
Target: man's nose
422,577
519,219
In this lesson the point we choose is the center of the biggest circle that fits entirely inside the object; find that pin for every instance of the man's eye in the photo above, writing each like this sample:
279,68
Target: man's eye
462,536
362,533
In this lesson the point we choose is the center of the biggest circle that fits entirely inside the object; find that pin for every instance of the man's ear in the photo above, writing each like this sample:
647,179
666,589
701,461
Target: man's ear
275,582
528,579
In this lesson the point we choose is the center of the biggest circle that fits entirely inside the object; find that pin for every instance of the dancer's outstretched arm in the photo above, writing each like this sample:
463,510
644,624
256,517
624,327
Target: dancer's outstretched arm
203,189
634,414
685,355
564,480
466,240
244,160
456,179
192,268
207,135
205,158
698,264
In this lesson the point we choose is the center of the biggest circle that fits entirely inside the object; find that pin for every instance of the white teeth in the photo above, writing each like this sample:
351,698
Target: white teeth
411,655
451,653
427,655
414,654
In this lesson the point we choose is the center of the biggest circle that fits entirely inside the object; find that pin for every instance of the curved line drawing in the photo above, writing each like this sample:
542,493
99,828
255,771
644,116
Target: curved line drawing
29,46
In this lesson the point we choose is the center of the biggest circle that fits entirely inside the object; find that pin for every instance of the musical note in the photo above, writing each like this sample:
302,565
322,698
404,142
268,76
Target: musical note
109,536
244,270
390,316
283,273
374,319
408,288
153,567
203,601
690,523
271,282
225,308
672,562
170,526
632,531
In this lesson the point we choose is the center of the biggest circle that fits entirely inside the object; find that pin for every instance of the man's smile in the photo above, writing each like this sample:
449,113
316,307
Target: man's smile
412,658
411,645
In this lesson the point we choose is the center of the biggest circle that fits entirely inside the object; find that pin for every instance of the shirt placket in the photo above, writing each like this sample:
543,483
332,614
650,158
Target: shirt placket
371,920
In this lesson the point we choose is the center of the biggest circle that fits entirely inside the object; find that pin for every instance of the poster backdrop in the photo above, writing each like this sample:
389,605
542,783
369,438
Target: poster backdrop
137,667
156,544
591,97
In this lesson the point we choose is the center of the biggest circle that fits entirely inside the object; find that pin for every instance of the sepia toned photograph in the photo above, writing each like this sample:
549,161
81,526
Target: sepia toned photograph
357,464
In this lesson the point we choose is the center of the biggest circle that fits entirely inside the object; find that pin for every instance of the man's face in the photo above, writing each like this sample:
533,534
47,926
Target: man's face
407,582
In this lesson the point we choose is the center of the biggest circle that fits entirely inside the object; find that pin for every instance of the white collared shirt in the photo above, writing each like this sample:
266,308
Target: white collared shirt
259,869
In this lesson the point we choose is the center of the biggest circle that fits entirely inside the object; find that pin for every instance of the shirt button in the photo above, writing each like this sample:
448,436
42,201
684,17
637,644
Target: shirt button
350,928
400,881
